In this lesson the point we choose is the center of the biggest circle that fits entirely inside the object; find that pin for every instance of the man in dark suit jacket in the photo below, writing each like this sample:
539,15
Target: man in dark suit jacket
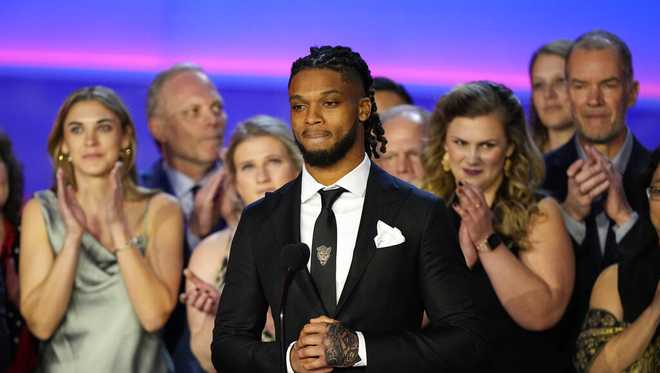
595,173
187,119
396,251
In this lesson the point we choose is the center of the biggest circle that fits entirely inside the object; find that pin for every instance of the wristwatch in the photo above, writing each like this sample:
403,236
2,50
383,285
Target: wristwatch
489,244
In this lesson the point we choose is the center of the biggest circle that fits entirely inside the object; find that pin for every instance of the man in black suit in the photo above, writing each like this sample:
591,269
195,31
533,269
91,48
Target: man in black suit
187,120
390,253
595,173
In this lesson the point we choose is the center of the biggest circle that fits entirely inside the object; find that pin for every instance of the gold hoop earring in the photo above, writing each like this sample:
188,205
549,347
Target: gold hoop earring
445,163
507,166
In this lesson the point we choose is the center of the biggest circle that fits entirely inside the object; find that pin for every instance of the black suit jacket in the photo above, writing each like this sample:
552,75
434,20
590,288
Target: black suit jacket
588,264
386,290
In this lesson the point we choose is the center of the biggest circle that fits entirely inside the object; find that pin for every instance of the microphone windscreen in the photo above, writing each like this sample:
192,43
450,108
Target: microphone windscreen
294,256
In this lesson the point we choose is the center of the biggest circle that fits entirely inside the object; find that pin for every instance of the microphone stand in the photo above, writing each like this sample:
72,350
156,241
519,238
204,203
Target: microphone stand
285,292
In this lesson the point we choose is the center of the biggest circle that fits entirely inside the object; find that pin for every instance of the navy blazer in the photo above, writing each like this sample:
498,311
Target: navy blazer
588,263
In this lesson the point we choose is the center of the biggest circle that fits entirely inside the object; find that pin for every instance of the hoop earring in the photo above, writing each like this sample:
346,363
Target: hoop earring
507,166
445,163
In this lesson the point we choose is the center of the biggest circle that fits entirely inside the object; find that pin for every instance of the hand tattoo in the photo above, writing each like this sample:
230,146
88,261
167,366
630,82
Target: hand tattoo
341,346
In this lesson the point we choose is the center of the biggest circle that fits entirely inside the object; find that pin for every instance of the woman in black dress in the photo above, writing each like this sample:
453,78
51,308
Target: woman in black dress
481,160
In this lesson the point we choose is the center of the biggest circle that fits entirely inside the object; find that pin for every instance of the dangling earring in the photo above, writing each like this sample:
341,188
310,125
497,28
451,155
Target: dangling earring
507,166
445,163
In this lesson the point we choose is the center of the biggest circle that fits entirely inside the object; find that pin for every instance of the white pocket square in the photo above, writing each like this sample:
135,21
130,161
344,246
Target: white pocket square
387,236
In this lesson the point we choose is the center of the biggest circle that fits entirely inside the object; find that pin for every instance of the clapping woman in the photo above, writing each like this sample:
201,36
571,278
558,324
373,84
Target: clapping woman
262,157
480,159
100,257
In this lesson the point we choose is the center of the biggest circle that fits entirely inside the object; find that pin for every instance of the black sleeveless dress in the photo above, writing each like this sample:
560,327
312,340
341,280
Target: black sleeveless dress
512,348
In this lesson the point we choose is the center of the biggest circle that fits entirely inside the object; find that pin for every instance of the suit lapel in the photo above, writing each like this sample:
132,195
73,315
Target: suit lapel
381,202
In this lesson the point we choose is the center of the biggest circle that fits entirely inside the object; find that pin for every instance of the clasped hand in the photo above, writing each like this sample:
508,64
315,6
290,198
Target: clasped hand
202,295
476,220
324,344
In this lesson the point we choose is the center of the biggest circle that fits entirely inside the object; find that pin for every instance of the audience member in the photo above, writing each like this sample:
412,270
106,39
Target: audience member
187,120
262,157
389,93
594,174
550,111
405,128
21,350
100,258
481,160
620,333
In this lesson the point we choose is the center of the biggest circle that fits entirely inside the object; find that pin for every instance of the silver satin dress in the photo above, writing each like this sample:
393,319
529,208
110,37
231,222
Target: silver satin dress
100,331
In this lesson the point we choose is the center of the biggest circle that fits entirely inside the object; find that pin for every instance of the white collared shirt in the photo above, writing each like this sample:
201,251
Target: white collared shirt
348,213
182,186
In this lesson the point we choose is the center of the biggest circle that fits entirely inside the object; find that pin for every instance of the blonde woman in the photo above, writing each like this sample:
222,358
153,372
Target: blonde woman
100,258
262,157
481,161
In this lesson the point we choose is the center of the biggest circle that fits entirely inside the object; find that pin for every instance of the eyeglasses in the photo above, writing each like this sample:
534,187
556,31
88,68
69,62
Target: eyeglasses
653,192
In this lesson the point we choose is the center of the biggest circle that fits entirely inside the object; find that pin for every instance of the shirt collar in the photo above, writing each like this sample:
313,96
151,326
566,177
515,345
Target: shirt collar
354,182
181,183
620,160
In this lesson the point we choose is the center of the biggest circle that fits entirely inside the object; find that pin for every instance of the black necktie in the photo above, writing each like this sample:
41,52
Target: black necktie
610,254
324,250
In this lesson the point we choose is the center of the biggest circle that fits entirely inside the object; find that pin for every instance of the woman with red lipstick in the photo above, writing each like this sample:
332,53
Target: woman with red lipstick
550,116
100,257
262,157
481,160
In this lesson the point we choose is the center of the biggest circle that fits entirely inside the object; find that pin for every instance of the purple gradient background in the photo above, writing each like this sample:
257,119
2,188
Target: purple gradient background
48,49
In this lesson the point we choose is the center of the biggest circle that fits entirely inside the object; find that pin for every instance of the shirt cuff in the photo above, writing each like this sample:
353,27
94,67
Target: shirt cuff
289,369
620,231
362,351
577,229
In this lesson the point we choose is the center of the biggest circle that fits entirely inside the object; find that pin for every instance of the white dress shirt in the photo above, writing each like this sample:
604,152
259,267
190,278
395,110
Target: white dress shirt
348,213
182,186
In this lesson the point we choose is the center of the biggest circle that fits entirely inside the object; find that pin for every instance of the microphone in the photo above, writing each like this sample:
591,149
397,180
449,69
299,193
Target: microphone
294,257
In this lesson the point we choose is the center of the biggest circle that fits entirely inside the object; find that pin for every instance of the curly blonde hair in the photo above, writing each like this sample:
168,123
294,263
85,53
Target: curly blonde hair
515,203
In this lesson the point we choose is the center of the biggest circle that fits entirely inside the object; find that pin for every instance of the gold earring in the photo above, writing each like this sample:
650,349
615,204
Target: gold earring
125,153
63,157
507,166
445,163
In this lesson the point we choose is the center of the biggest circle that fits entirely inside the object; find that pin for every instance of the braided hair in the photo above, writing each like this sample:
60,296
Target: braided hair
351,65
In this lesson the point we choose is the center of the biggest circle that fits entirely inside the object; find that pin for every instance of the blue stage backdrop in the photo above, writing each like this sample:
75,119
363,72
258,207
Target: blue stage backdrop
48,49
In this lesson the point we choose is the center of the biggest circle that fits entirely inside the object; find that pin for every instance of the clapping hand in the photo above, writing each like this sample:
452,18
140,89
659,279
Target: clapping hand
587,179
206,211
115,203
72,214
476,218
202,295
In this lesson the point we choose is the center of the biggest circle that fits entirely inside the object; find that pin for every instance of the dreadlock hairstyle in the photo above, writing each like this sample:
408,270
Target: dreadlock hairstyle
351,65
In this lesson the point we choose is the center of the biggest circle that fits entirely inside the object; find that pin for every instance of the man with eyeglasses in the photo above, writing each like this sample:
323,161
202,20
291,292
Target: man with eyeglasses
187,118
594,174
